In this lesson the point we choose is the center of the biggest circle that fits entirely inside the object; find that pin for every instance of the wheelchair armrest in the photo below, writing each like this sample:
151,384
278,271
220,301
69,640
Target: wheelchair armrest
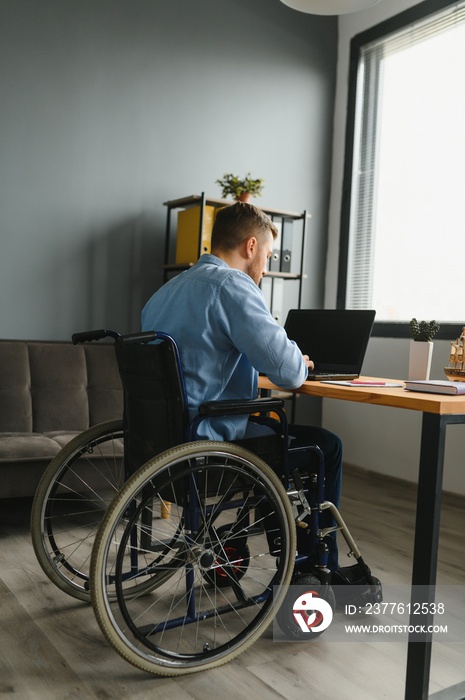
236,407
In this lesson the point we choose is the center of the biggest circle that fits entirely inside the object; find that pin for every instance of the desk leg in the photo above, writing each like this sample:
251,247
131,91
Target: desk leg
425,552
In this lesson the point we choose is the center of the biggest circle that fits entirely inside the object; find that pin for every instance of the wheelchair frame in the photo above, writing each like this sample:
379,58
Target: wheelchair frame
225,556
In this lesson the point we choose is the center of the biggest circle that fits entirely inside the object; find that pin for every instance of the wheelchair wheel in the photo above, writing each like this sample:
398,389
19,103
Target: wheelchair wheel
70,502
72,496
225,586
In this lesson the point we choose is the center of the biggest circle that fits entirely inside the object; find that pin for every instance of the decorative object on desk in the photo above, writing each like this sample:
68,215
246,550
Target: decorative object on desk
436,386
241,189
455,370
421,348
423,331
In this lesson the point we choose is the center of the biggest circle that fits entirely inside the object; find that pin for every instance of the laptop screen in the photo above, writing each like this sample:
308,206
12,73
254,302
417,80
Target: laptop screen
336,340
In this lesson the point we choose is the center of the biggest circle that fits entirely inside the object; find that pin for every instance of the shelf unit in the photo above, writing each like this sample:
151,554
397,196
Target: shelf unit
279,216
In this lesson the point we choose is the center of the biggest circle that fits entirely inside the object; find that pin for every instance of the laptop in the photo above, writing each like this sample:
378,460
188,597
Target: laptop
336,340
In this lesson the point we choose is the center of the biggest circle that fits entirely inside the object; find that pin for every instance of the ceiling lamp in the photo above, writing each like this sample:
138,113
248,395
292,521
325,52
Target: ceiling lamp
329,7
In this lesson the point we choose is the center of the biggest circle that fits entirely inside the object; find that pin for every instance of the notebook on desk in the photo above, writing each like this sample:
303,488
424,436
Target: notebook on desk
336,340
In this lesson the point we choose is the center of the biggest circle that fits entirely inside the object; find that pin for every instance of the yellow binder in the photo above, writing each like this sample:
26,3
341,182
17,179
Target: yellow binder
187,240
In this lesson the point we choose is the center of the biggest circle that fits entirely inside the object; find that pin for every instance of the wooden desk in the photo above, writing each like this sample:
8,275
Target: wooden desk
439,411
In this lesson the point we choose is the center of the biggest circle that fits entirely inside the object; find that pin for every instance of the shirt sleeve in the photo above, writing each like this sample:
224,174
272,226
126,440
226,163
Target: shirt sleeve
254,332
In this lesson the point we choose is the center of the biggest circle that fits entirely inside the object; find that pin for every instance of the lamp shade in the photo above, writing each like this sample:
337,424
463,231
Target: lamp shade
329,7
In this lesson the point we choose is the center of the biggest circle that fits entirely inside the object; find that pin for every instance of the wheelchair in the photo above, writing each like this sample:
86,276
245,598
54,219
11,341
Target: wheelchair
185,547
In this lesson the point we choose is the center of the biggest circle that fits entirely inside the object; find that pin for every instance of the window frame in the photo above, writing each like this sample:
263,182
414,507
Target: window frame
399,329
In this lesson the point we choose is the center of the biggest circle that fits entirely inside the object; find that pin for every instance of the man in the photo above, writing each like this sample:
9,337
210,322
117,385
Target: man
226,335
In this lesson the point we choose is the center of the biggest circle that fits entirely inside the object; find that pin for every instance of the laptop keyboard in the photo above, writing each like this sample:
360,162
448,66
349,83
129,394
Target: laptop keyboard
318,376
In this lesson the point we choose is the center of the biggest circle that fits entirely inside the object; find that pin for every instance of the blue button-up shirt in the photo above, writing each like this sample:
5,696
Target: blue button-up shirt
226,335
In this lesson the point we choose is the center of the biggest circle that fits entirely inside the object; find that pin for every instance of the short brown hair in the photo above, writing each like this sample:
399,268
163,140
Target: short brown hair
237,222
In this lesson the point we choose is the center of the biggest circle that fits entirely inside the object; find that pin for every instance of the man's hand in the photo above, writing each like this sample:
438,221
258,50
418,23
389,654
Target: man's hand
308,362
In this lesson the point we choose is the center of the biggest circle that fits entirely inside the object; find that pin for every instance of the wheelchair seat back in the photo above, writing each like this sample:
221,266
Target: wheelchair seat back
154,401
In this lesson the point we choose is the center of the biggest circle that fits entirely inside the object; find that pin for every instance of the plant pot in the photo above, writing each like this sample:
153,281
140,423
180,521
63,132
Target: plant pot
244,197
421,353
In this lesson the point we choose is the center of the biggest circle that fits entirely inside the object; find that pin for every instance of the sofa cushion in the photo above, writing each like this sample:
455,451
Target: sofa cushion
22,447
58,387
61,437
15,394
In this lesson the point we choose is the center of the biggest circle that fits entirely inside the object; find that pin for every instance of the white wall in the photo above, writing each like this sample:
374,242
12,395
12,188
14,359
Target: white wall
384,440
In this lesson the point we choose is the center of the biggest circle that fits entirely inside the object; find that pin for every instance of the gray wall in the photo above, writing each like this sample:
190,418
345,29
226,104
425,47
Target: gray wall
111,107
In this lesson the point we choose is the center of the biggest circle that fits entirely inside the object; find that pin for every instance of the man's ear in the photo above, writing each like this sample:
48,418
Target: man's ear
251,247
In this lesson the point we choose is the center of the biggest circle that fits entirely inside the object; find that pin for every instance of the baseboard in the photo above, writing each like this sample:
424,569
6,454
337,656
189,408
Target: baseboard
452,499
455,692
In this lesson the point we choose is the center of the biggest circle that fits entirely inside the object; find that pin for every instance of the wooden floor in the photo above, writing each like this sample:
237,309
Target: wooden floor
52,648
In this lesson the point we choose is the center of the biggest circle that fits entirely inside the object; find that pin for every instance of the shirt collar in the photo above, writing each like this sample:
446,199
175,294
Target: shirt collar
209,259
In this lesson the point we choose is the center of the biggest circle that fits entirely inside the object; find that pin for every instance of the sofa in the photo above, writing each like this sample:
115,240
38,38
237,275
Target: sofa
50,392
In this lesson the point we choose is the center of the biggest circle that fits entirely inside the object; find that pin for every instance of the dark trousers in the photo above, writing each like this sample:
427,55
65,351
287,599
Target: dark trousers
331,446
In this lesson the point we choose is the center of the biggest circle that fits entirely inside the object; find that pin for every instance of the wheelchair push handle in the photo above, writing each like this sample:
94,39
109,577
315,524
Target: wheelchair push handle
89,336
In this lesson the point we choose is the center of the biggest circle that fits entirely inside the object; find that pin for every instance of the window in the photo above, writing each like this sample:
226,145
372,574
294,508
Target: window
404,214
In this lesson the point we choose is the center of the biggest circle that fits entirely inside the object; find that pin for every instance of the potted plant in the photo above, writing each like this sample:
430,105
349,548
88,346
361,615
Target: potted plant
421,348
240,189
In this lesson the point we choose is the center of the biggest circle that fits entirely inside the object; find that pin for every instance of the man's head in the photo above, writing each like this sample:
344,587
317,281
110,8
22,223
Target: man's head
243,236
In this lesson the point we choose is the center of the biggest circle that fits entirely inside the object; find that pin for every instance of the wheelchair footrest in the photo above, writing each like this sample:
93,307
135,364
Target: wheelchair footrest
354,585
